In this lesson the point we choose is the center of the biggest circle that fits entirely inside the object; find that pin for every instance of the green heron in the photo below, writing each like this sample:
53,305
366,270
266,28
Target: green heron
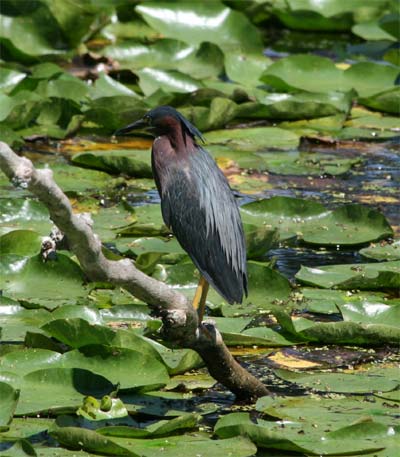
197,204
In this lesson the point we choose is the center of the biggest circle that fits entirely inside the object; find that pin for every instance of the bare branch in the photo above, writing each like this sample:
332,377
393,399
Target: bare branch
179,317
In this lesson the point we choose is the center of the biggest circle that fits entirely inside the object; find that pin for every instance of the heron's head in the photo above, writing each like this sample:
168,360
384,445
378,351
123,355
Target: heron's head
163,120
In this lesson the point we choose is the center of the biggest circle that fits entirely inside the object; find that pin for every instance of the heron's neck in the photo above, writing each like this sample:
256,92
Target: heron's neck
182,143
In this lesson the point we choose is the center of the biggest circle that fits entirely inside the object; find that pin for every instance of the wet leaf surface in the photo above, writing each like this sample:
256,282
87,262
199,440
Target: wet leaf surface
299,102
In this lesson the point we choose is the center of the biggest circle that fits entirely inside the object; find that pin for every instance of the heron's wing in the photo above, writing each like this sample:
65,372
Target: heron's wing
198,205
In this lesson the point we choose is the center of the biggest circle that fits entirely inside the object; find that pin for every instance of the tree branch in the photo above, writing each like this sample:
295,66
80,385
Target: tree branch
179,317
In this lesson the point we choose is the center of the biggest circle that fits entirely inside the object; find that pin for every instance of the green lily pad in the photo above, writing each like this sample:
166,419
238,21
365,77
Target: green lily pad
300,163
173,426
347,225
319,74
326,412
254,139
26,427
20,242
89,440
259,336
198,22
202,61
31,36
16,321
78,333
31,281
356,276
135,163
127,367
382,251
116,111
59,389
191,446
304,438
24,214
9,78
165,404
364,382
20,448
301,105
153,79
371,313
148,222
386,101
8,402
262,278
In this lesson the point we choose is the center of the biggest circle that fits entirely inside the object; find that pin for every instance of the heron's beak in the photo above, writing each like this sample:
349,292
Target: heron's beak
138,125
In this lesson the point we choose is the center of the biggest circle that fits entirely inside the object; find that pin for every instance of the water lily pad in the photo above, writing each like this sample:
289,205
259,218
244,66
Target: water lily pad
303,438
78,333
24,213
363,382
20,242
300,163
347,225
265,286
166,404
386,101
40,33
8,402
371,313
301,105
89,440
198,22
254,139
327,412
127,367
383,251
357,276
31,281
319,74
59,389
201,61
16,321
175,426
135,163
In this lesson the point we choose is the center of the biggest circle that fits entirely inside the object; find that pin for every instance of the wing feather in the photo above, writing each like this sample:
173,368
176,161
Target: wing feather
198,205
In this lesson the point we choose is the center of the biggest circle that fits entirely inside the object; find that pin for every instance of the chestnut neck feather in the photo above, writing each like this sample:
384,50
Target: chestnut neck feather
182,143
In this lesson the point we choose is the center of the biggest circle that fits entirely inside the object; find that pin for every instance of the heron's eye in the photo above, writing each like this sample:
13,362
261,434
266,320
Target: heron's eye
147,119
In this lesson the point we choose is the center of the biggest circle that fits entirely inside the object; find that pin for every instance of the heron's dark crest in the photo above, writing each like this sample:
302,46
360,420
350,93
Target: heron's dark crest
196,201
164,120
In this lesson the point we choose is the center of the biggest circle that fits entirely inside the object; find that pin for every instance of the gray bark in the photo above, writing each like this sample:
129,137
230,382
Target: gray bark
180,322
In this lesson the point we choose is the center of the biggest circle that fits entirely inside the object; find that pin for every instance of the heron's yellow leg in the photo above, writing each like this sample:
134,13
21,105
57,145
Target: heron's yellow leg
199,300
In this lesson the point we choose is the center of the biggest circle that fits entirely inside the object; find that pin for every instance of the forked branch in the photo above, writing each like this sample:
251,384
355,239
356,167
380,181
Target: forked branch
179,317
